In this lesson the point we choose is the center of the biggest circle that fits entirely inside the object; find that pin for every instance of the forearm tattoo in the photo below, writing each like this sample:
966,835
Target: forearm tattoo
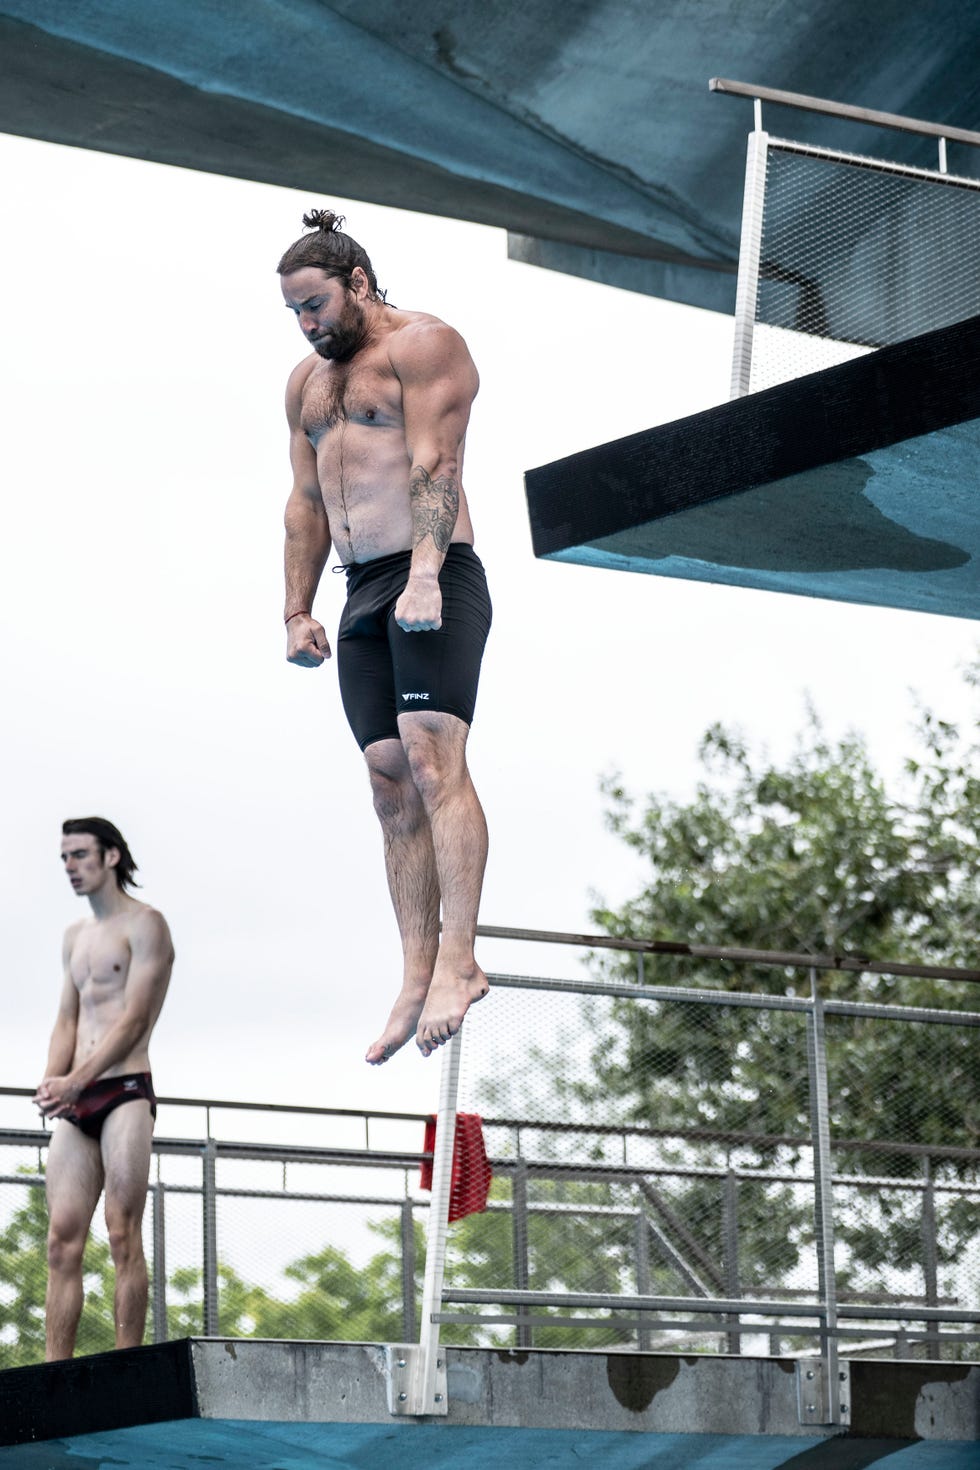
435,506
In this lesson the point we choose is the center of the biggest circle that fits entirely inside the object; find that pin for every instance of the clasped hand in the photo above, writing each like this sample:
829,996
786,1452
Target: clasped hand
56,1095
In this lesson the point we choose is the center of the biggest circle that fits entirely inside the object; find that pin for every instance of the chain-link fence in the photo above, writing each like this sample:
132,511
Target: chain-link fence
320,1237
722,1165
843,253
723,1169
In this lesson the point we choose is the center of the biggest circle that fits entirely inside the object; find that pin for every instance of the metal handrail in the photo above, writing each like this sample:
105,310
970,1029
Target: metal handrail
804,103
217,1104
780,959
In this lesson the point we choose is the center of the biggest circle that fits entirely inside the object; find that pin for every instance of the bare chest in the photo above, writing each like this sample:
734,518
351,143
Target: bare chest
338,394
100,960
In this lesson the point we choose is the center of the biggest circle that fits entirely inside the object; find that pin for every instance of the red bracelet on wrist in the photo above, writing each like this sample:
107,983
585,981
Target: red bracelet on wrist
304,612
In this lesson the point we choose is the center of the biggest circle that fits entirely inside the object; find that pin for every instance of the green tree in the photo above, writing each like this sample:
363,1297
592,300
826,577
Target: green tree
23,1280
817,855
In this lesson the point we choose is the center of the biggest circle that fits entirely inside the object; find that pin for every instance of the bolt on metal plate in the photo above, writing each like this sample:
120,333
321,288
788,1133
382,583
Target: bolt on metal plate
403,1369
819,1401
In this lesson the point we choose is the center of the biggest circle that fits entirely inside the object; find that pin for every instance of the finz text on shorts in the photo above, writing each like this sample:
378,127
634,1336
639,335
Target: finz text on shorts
415,696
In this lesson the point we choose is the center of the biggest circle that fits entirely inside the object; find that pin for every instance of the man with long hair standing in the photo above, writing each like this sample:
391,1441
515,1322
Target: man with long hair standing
117,965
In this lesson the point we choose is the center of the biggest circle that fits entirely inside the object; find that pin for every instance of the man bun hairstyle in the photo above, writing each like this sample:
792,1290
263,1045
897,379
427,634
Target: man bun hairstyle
107,835
329,249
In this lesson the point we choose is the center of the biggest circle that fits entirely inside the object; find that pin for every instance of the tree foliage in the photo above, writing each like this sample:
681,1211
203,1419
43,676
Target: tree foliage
23,1278
816,855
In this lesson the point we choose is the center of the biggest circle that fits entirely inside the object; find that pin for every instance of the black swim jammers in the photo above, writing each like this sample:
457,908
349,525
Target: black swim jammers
384,671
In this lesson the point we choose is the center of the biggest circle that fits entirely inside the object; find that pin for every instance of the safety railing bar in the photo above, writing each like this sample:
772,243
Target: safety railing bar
543,1207
660,1324
618,1174
290,1153
257,1107
227,1105
878,165
744,1306
781,959
735,1137
652,992
589,1170
740,1306
921,1015
194,1147
393,1202
861,1298
738,998
25,1138
886,1184
804,103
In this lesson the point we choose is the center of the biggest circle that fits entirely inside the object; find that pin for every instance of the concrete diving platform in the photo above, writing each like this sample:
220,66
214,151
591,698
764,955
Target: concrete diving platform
857,483
293,1405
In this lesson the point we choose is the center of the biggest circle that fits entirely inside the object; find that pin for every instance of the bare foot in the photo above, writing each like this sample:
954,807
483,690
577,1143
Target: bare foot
400,1026
450,996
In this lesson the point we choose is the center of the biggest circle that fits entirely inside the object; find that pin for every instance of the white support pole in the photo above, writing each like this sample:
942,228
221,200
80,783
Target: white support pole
831,1405
430,1394
749,252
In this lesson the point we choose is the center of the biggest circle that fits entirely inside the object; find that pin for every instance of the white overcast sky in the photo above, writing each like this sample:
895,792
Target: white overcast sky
146,350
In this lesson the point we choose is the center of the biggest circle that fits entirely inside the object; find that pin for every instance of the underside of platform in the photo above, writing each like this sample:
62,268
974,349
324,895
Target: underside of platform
276,1404
586,129
858,483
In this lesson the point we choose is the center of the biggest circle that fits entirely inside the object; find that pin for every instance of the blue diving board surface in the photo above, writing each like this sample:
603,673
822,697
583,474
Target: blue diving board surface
292,1405
192,1444
859,483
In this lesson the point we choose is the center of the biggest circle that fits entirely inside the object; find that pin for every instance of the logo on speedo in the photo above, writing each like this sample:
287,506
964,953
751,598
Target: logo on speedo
407,697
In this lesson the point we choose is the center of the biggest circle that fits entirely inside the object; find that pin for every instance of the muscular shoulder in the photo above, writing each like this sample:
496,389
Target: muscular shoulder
425,346
149,932
296,384
71,935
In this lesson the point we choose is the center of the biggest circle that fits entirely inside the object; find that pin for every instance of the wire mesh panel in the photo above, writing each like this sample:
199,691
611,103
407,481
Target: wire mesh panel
656,1178
907,1194
857,253
306,1256
320,1240
631,1159
23,1270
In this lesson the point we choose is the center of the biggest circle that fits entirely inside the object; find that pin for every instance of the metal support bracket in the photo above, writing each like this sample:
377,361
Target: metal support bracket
818,1400
404,1369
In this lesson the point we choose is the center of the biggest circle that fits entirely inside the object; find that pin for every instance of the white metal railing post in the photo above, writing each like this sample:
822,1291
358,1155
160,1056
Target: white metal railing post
733,1284
930,1256
429,1397
408,1270
749,256
522,1273
160,1332
210,1235
822,1386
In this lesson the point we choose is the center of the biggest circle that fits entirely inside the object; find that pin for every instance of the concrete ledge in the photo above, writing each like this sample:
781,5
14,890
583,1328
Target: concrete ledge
241,1382
856,483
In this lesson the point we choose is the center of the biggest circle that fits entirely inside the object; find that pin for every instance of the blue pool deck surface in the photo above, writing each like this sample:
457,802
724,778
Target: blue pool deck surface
194,1444
253,1405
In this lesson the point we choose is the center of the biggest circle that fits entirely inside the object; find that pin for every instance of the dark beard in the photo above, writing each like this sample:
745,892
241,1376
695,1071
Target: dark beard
346,337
